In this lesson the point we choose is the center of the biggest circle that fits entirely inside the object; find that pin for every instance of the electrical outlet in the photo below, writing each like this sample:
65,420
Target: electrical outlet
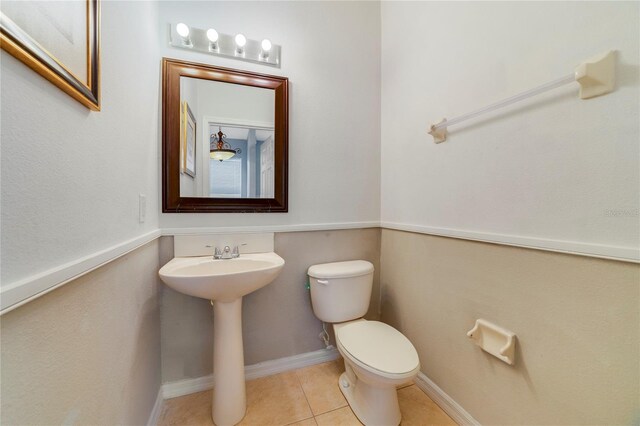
142,204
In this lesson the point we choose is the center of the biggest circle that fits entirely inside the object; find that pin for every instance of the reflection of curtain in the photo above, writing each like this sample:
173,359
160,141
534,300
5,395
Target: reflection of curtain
225,178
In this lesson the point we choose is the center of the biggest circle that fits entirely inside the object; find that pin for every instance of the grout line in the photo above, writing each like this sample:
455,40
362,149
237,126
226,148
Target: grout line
352,412
336,409
304,394
298,421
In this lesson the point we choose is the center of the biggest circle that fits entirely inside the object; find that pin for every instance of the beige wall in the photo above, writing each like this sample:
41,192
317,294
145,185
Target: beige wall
576,318
88,352
277,320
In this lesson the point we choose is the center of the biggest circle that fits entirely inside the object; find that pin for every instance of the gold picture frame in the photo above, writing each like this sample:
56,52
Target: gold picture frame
24,47
188,141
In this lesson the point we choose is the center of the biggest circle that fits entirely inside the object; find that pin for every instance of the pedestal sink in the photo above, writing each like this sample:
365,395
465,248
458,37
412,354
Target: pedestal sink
224,281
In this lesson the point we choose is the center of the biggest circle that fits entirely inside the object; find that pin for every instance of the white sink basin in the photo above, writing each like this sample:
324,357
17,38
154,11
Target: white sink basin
221,279
224,281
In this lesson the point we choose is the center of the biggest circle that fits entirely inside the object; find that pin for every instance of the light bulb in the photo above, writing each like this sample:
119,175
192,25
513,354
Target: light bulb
212,35
183,30
241,40
266,45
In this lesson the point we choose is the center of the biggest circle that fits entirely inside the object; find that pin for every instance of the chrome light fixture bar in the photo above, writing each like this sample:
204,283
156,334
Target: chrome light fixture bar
235,46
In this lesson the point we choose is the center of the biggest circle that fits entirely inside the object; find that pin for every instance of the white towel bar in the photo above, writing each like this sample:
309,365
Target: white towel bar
595,76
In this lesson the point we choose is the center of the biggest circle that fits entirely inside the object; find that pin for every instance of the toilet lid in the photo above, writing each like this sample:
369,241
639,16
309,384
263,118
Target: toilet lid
348,269
379,346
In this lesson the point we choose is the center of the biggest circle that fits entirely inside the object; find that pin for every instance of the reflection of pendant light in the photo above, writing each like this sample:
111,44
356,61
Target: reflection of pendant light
222,150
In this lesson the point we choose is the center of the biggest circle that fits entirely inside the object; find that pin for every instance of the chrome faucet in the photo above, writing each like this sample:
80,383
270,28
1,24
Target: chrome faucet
226,253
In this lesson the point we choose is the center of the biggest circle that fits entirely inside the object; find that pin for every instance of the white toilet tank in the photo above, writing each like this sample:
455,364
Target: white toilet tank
341,291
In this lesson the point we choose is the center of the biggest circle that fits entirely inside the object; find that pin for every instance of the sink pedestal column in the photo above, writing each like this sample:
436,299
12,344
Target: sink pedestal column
229,398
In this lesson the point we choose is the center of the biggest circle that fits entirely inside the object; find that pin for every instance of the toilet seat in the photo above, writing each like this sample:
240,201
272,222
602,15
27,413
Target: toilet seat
378,347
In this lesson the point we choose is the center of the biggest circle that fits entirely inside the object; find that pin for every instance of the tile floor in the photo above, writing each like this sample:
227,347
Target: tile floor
306,397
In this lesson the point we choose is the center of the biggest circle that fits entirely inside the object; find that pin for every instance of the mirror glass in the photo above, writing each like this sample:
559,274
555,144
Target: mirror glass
228,140
224,140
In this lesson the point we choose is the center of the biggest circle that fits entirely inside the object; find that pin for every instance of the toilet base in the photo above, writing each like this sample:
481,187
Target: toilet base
374,406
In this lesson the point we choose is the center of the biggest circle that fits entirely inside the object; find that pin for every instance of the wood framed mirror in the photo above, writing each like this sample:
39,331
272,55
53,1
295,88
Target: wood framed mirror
224,140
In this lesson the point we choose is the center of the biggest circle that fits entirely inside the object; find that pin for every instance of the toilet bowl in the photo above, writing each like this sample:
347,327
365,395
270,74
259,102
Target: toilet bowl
377,357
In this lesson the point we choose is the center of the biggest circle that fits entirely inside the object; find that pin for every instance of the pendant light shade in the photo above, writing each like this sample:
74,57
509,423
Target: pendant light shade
220,149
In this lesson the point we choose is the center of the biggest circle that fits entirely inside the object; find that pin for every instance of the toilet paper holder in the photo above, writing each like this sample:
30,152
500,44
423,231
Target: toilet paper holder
494,339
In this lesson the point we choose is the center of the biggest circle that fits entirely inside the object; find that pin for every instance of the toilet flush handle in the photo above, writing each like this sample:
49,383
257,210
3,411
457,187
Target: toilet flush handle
323,282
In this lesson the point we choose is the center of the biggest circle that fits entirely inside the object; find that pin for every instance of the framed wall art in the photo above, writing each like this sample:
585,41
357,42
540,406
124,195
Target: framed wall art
188,141
58,40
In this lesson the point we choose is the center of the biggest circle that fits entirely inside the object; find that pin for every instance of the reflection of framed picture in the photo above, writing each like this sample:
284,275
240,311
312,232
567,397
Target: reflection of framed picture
188,142
58,40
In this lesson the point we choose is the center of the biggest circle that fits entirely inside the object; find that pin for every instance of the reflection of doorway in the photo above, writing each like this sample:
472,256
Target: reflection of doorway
266,169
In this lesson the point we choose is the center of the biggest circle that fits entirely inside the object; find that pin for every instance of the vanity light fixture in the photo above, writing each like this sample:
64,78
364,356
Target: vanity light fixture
212,35
266,47
222,150
241,40
183,32
234,46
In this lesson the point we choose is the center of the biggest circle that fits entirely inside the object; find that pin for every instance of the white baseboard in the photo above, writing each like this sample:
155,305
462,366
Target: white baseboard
268,368
156,410
444,401
187,386
262,369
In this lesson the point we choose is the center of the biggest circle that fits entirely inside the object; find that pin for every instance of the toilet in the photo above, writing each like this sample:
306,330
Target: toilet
377,357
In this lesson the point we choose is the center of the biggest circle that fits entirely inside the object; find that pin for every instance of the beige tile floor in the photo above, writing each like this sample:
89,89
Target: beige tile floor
306,397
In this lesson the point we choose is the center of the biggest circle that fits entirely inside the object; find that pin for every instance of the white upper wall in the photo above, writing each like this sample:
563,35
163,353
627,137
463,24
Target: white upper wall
552,167
331,55
71,177
555,167
235,102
